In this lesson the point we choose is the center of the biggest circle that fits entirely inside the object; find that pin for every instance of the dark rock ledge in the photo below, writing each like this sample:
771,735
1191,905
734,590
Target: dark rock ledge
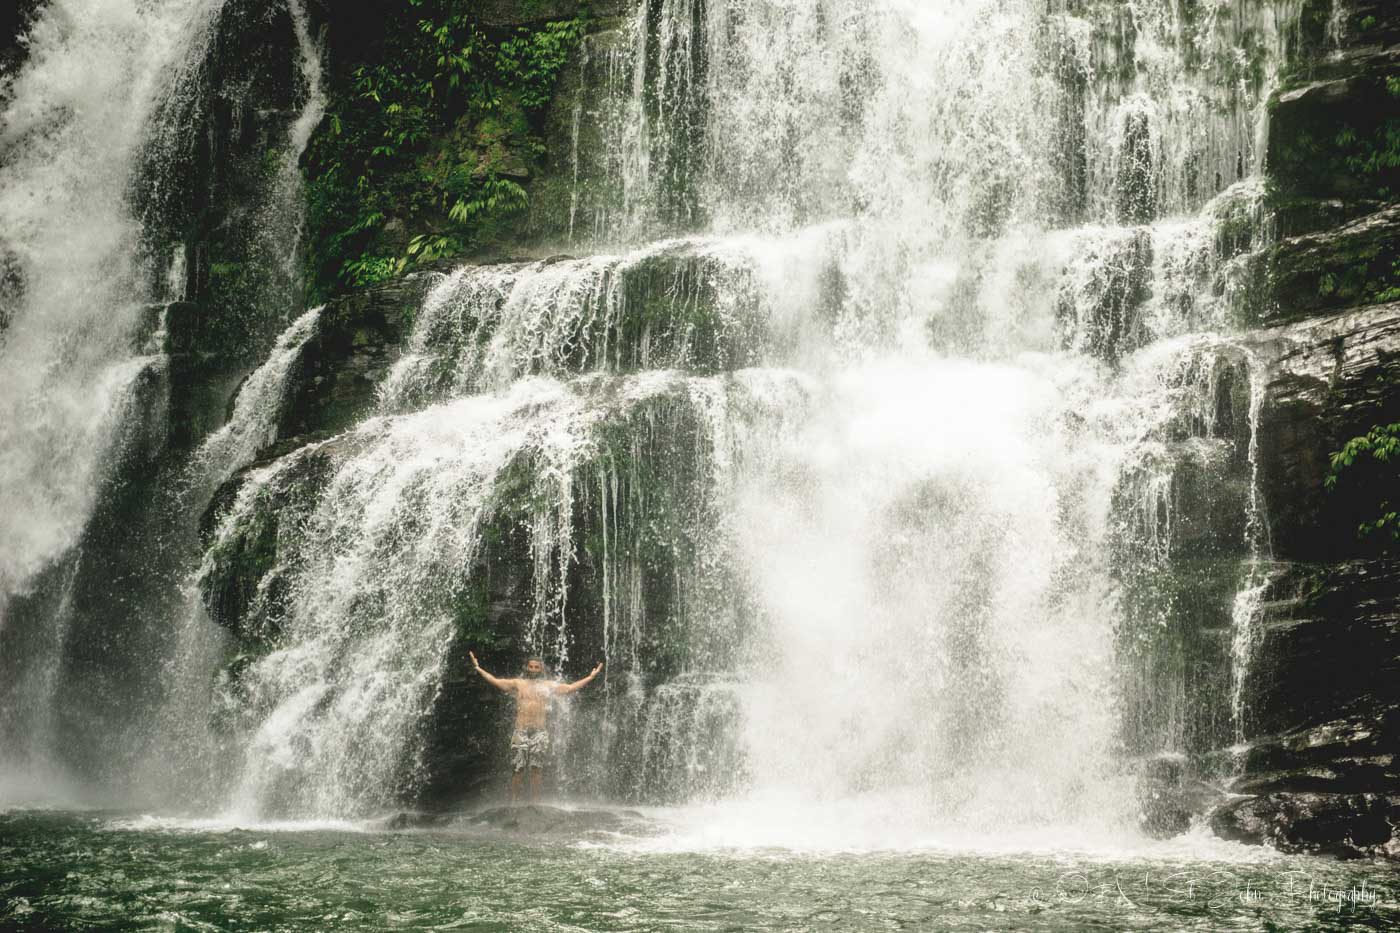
1320,768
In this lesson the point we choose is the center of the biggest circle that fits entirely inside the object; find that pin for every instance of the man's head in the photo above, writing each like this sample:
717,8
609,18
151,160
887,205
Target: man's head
534,668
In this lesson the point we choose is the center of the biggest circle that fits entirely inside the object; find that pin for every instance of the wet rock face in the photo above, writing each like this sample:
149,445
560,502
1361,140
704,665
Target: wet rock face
1353,754
1354,263
1343,825
15,19
1321,697
357,340
1170,796
1321,700
1101,313
207,189
1331,380
1323,688
1325,136
526,12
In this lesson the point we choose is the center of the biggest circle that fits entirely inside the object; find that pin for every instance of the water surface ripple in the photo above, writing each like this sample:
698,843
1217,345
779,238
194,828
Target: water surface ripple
103,871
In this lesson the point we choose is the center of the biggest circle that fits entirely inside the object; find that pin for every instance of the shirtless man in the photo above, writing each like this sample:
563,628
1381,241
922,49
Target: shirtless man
530,743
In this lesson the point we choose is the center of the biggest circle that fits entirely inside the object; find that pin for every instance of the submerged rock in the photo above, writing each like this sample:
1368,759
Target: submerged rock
543,820
529,820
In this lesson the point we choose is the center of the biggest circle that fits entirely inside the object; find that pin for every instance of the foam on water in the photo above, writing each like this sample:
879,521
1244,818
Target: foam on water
778,827
149,822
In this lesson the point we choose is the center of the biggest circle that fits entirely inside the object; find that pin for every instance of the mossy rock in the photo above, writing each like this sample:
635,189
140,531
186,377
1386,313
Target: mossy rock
249,560
1338,138
357,340
532,12
1352,265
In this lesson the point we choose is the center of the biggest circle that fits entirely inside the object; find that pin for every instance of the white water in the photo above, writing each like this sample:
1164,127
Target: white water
256,410
869,433
286,211
375,564
483,327
181,757
1249,600
897,600
72,355
98,108
75,118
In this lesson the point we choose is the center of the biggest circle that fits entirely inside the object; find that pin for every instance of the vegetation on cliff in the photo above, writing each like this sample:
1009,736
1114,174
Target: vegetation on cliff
428,142
1370,463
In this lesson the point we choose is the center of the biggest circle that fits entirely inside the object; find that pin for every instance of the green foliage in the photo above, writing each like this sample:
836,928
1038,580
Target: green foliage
531,61
1372,156
429,246
369,270
1371,461
1362,276
423,147
1388,290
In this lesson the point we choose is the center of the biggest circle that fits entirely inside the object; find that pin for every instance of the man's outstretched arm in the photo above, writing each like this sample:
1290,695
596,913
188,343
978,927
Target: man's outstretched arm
500,683
579,684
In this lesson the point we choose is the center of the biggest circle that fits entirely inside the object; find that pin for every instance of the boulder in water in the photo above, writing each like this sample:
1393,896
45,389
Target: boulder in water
542,820
416,820
1344,825
530,820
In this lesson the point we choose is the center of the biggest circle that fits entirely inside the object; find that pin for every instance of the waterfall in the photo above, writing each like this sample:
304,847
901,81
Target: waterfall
257,409
287,212
1248,601
74,123
96,128
862,439
77,370
183,755
698,304
860,445
374,544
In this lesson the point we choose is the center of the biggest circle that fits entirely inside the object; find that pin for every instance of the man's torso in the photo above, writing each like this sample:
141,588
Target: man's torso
532,703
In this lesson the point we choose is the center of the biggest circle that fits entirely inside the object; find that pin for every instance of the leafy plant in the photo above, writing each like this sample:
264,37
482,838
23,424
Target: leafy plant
1375,456
422,148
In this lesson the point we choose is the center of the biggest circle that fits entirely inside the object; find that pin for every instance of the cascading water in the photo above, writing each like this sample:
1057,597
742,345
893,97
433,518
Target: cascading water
284,206
77,115
256,412
370,568
98,127
900,574
72,352
854,445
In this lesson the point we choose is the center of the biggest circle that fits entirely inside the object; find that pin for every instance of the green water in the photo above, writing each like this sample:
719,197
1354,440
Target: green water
100,871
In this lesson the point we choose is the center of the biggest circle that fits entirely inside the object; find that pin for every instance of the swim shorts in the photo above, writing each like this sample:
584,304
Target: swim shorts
529,747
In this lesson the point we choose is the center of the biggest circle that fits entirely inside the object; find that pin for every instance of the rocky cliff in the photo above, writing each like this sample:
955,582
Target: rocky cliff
1319,769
